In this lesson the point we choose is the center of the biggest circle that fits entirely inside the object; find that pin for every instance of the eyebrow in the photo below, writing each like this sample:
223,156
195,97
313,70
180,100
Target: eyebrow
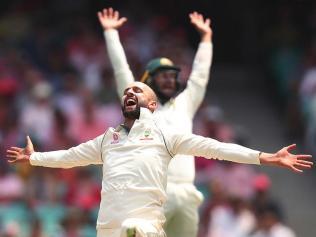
133,88
126,89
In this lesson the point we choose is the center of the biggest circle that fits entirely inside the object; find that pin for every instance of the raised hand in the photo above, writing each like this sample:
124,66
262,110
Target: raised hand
202,26
110,19
17,154
283,158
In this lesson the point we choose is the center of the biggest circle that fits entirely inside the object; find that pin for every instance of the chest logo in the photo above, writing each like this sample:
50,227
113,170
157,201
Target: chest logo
115,138
147,133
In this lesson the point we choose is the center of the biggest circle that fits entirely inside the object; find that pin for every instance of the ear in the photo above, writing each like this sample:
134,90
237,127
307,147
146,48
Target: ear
152,105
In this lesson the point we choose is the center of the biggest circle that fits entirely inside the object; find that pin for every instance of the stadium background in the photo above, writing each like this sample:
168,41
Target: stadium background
56,85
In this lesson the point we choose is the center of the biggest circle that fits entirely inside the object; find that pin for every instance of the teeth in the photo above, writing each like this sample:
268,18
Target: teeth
130,102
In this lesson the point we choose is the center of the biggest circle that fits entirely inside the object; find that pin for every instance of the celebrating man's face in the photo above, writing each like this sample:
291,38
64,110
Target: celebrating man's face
135,96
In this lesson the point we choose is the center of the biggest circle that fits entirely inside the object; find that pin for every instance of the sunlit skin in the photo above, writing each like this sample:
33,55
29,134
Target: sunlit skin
138,94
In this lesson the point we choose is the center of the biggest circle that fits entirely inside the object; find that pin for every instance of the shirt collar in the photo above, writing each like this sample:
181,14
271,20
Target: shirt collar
145,114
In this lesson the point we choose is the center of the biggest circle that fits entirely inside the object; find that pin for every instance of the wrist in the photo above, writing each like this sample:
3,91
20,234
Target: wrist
109,28
206,37
29,153
268,158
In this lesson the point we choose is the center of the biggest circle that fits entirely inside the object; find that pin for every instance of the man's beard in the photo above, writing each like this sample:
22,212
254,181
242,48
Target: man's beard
134,114
163,98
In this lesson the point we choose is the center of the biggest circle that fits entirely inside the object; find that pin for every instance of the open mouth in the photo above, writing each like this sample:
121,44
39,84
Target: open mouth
130,103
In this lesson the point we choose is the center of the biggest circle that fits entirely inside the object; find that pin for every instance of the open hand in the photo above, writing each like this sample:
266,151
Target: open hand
110,19
291,161
283,158
202,26
17,154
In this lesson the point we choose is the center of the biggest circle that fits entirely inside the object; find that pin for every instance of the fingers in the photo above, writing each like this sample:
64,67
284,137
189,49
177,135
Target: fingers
28,140
11,158
12,161
303,156
301,165
296,169
191,17
100,16
200,17
105,13
108,13
122,20
14,153
305,162
116,15
196,17
290,147
208,21
14,148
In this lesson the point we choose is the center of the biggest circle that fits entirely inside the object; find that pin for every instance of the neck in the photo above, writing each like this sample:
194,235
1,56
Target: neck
129,122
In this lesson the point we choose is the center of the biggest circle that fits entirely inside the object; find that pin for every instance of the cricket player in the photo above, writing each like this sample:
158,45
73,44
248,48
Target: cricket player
161,75
135,157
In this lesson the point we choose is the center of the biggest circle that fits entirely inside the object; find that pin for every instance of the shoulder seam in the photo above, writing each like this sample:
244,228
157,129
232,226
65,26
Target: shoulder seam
164,140
102,143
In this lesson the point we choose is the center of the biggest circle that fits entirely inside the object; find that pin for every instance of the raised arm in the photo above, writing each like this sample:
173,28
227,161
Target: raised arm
81,155
194,93
110,21
190,144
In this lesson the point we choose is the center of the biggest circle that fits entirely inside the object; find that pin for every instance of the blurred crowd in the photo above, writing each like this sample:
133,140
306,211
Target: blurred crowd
57,86
291,53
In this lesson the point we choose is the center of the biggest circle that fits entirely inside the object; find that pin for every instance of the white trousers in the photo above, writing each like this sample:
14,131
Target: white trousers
181,210
134,227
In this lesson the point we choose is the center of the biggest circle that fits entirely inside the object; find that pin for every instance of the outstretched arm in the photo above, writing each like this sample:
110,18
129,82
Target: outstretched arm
194,94
189,144
110,21
81,155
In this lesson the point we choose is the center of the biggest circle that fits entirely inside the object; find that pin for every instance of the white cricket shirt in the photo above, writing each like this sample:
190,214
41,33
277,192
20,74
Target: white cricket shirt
135,165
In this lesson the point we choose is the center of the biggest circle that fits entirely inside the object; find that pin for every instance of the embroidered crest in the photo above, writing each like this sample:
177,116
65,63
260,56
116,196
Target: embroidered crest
115,138
147,133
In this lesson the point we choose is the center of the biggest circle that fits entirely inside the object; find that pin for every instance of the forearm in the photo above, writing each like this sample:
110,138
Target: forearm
84,154
54,159
202,63
195,91
122,73
190,144
115,50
